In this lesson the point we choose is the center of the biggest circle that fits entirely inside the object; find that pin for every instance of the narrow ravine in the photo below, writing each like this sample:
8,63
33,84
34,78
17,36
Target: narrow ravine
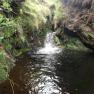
46,46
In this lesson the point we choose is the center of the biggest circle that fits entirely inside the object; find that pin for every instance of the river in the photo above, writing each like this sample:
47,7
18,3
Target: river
52,70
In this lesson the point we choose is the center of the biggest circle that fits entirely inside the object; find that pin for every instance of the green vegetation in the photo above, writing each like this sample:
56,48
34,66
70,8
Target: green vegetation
11,40
24,25
35,17
74,44
4,65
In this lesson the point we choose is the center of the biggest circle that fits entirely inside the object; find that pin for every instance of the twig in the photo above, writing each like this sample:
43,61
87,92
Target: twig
12,86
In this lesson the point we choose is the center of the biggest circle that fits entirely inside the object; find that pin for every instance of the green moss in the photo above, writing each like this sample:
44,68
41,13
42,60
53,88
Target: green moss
74,43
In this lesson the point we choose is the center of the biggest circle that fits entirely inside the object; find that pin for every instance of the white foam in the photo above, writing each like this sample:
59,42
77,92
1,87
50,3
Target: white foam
49,45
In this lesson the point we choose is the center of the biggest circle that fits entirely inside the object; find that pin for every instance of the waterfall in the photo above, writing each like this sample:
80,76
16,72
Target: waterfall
49,42
49,45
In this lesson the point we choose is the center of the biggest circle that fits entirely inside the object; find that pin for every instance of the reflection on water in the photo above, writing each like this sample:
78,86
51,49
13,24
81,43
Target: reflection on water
69,72
43,78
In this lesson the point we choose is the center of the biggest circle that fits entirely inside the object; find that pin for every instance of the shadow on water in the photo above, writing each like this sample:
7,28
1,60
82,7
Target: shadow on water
69,72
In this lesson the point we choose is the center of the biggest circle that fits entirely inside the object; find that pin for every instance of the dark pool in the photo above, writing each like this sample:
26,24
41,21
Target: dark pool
69,72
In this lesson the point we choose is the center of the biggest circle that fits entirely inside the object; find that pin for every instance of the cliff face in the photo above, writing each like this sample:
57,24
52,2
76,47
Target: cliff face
81,20
81,4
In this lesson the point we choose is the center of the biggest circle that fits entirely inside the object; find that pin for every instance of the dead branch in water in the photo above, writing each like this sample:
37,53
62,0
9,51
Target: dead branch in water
12,85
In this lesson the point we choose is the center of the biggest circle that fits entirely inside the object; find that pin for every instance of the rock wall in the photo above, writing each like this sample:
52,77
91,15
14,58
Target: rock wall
81,20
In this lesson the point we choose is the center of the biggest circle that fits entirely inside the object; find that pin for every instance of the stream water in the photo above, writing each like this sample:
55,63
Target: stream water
51,70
